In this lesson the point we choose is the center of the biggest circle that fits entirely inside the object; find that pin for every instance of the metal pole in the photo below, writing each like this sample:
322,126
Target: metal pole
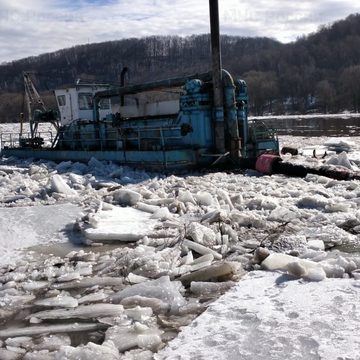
217,75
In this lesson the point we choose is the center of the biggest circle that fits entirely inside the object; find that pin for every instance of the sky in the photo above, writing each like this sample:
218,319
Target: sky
33,27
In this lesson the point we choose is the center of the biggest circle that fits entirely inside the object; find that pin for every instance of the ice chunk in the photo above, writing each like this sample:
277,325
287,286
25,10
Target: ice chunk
316,244
34,285
282,214
139,313
162,288
147,208
120,224
136,279
39,355
77,179
137,335
313,202
201,249
58,301
247,219
204,258
95,163
314,255
261,202
228,230
188,259
52,342
277,261
162,214
91,298
63,166
224,195
82,312
218,271
51,329
214,216
333,270
307,269
60,186
186,196
201,234
204,198
337,207
90,351
21,341
260,254
356,274
74,275
157,305
126,197
308,273
340,160
6,354
90,282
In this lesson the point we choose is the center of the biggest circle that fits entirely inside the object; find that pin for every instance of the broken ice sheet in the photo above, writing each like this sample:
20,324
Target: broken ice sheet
137,335
61,300
162,288
59,185
120,224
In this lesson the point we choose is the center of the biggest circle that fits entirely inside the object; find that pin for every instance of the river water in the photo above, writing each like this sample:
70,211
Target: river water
314,125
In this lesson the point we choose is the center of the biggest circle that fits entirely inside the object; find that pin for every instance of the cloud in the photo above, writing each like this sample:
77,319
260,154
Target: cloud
33,27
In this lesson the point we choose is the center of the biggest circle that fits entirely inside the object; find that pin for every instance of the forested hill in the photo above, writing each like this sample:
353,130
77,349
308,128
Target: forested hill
319,72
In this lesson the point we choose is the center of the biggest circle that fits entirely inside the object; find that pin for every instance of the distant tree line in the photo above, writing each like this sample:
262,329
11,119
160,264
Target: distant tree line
316,73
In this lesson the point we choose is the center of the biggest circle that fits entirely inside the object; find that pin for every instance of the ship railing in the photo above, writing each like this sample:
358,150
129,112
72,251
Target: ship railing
16,139
140,137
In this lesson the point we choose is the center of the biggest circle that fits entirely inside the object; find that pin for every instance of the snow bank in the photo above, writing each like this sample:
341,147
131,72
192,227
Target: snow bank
266,316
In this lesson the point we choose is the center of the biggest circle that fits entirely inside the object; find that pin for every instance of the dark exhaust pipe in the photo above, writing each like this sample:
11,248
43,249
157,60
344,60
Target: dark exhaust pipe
217,76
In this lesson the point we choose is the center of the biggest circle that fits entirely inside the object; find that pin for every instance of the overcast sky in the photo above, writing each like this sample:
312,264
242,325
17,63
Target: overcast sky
32,27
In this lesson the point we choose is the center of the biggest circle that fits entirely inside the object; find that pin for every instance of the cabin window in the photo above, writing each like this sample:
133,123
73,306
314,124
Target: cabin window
85,101
104,104
61,100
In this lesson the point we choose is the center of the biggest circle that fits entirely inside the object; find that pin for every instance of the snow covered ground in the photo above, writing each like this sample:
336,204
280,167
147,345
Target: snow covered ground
182,242
271,316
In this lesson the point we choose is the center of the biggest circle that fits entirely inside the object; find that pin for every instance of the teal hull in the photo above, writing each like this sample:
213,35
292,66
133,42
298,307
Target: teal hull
170,159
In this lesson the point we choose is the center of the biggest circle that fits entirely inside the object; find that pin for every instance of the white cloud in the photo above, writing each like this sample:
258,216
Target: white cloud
37,26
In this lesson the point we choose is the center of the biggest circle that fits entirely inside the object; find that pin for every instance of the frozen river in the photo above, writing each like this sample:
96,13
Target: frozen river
144,296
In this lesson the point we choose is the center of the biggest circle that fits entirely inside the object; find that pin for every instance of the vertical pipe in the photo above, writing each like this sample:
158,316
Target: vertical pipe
217,76
21,124
242,101
232,142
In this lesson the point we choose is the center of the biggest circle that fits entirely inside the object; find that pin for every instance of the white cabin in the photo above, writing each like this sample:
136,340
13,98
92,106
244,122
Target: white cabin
76,104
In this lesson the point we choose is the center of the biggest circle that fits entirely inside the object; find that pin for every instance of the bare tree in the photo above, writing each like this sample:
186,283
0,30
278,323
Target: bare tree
325,94
350,84
263,90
